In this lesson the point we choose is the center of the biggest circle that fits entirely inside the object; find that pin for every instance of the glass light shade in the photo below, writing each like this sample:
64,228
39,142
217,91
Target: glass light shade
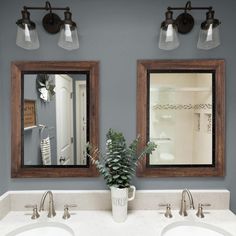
68,38
27,38
209,38
168,38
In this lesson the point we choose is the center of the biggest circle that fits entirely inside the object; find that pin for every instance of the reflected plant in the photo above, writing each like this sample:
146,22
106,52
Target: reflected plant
119,164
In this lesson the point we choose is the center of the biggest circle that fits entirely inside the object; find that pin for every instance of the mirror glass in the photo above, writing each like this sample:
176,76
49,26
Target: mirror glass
55,119
180,107
54,107
180,118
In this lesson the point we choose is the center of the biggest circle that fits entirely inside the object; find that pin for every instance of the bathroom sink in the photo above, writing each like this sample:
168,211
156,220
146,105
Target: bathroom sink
185,228
43,228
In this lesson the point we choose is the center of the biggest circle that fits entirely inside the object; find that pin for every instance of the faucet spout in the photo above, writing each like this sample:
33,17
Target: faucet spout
183,206
190,197
51,207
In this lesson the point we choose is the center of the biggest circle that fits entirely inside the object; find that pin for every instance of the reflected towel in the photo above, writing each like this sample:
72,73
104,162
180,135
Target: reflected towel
46,151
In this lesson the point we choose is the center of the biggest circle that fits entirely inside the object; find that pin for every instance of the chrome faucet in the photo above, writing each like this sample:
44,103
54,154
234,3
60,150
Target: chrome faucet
51,208
183,206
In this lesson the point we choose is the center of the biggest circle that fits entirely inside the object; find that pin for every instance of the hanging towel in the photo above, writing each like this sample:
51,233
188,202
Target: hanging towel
46,151
45,148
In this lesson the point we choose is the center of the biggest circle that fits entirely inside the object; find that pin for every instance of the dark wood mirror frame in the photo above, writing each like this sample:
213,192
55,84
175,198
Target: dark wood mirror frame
143,69
17,70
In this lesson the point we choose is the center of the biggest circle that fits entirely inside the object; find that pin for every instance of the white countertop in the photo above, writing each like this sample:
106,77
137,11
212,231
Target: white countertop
138,223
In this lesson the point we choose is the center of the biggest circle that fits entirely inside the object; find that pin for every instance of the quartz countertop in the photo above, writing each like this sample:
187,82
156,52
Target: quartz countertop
138,223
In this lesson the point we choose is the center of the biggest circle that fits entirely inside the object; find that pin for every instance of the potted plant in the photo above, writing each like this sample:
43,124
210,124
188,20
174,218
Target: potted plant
118,166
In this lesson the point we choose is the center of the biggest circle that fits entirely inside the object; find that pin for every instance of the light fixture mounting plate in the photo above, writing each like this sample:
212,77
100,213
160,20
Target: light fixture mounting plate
52,23
185,23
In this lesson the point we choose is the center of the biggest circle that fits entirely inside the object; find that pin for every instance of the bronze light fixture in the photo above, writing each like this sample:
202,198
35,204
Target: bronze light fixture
209,36
27,36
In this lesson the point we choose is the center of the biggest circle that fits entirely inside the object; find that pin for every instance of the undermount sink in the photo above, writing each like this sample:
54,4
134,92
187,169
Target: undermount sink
43,228
185,228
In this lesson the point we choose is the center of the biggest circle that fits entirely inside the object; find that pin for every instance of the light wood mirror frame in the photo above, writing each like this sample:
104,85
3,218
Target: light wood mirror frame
143,69
17,72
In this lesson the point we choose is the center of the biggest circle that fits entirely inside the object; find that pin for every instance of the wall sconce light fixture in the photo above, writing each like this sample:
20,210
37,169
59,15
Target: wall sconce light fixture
27,36
209,36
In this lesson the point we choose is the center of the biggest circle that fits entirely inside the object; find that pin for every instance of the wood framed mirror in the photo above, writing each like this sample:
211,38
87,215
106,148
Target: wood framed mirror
54,113
181,107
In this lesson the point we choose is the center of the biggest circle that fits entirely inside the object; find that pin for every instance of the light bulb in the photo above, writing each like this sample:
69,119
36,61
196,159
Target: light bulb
27,34
169,33
68,34
209,34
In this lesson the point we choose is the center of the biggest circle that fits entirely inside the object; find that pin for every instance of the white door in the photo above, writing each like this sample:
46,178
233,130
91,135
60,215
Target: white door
81,122
64,119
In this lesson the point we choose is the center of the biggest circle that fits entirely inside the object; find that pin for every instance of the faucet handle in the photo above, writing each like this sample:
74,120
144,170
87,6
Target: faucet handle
200,209
168,213
35,214
66,214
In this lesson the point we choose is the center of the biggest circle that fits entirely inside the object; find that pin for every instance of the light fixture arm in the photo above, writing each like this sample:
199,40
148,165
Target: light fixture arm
188,7
47,7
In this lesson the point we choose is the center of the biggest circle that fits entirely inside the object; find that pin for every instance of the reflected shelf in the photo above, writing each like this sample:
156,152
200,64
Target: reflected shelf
30,127
161,140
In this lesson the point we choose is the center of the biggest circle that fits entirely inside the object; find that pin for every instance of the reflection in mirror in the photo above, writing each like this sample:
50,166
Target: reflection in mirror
180,106
55,131
181,118
54,107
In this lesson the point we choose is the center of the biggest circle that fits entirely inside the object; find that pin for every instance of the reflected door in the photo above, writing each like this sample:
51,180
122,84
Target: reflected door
64,120
81,130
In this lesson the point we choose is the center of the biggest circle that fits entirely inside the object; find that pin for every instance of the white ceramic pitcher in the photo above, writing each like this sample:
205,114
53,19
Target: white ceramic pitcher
120,198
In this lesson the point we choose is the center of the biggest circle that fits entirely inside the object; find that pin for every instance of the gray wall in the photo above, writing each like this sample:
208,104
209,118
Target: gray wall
3,149
117,33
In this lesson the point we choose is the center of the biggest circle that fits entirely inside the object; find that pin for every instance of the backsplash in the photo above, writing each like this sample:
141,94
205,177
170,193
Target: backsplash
100,200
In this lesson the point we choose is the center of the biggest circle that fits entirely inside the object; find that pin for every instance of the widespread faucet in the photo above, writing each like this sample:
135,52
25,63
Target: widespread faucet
51,208
183,206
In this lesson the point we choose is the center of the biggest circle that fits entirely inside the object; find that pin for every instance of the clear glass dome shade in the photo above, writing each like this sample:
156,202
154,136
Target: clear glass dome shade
168,38
68,38
209,38
27,38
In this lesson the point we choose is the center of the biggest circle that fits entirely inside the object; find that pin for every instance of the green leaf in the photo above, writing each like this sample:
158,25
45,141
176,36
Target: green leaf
115,167
124,177
116,176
